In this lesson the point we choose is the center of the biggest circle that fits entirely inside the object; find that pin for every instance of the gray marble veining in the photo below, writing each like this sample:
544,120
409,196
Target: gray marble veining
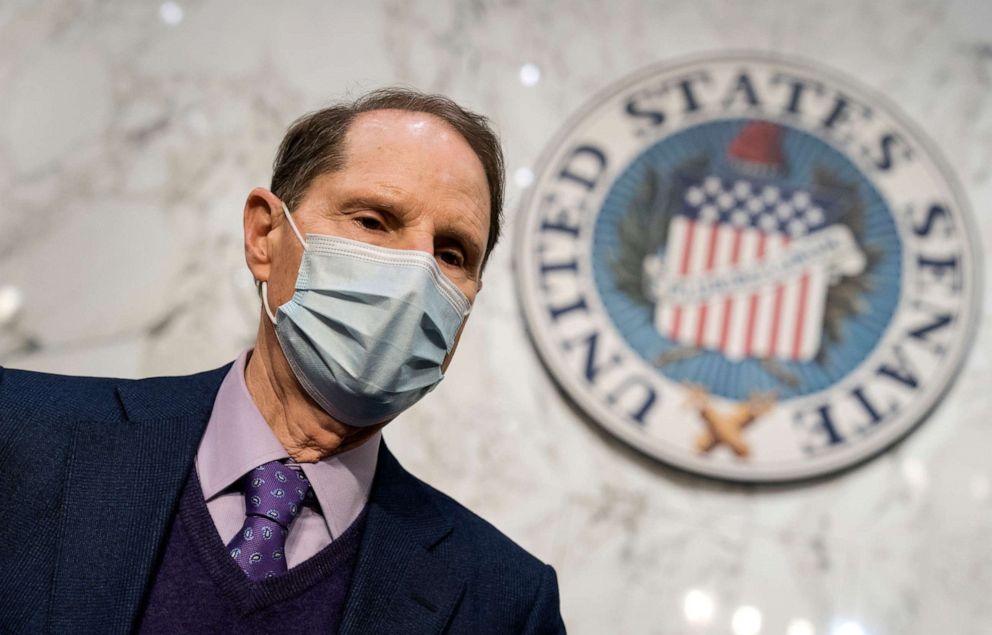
128,145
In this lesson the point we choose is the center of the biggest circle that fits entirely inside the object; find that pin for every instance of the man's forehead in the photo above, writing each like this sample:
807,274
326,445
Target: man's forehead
401,125
385,149
377,137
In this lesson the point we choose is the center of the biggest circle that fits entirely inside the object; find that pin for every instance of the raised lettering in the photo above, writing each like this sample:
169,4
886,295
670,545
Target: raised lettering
654,117
939,321
594,366
839,113
571,265
578,305
562,219
743,87
584,166
644,406
934,213
823,423
797,90
687,87
887,144
873,416
902,371
940,269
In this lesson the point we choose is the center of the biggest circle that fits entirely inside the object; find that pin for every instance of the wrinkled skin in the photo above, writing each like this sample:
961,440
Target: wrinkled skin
409,181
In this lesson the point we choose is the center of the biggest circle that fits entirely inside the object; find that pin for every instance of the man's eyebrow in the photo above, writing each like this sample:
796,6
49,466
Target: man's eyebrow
383,203
473,245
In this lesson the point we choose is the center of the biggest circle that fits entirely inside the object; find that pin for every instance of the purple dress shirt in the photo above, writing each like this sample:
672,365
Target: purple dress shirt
238,439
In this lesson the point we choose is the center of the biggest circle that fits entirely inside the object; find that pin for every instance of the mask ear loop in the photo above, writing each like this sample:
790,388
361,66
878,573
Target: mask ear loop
289,217
264,286
265,301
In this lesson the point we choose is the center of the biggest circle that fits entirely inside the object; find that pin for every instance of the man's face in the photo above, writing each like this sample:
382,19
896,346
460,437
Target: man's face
409,181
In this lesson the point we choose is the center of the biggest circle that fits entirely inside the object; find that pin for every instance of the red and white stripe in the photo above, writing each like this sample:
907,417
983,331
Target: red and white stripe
783,320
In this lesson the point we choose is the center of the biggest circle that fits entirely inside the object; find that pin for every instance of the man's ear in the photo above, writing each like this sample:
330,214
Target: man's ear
261,210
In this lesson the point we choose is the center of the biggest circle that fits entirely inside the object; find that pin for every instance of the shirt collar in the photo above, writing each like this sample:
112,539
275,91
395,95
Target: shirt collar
238,439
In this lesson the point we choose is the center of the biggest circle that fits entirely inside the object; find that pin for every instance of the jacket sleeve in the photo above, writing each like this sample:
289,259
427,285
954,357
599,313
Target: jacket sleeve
545,614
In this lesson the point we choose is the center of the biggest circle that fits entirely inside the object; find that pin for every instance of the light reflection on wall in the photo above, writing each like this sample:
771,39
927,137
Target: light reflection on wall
11,301
699,607
170,13
530,74
849,628
746,621
800,627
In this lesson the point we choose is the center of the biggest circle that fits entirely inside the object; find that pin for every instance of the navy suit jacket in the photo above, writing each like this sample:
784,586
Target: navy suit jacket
90,474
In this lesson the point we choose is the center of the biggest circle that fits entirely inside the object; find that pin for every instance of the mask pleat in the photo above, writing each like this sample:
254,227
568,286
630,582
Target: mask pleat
366,335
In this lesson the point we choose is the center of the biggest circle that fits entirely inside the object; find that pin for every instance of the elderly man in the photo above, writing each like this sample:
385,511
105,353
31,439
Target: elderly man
259,497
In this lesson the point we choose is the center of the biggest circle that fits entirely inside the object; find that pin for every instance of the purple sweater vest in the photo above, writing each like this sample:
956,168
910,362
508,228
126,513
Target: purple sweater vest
198,588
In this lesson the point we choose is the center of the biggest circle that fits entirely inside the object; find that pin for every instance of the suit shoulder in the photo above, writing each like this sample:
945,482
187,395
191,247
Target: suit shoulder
34,395
32,379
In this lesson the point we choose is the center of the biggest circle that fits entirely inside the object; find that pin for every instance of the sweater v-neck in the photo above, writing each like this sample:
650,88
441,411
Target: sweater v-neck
253,595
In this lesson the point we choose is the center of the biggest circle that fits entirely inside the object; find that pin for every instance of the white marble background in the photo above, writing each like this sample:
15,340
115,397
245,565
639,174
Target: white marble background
130,133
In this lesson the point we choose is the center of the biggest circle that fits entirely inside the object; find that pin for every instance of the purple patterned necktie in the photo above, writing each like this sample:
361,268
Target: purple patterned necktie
274,495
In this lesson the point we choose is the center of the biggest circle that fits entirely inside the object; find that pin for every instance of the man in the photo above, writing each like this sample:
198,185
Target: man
259,497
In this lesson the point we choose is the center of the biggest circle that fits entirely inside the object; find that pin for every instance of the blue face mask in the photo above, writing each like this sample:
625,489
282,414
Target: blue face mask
368,327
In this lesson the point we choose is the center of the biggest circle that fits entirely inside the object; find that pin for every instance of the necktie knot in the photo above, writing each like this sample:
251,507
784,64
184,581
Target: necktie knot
275,491
274,495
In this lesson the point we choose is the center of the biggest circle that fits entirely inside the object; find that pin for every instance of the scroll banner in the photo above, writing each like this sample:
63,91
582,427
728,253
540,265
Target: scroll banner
832,249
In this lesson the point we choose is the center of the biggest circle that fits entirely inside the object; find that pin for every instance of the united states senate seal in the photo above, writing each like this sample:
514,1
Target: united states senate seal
747,267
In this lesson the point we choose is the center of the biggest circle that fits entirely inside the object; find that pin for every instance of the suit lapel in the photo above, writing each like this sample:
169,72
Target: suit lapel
401,584
123,482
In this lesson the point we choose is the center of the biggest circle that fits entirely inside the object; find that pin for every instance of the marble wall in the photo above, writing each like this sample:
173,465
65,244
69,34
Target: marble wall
130,133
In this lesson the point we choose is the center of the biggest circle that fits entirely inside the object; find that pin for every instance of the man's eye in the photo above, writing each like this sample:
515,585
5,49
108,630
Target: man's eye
452,258
370,222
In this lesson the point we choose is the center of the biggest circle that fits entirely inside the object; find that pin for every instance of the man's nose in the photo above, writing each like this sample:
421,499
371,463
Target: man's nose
417,240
